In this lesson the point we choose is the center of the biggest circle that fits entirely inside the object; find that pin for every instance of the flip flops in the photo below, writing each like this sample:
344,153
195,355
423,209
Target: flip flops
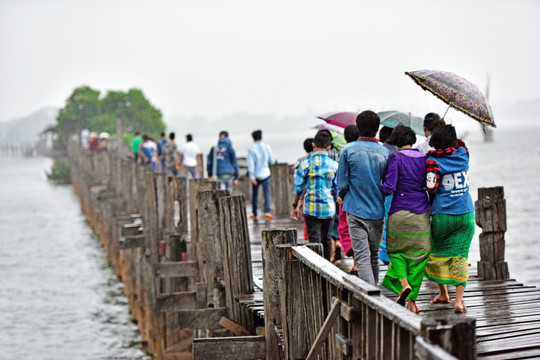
268,216
439,301
402,298
460,310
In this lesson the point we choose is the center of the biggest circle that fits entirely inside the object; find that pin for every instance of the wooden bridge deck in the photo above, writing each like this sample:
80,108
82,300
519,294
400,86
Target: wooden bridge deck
507,312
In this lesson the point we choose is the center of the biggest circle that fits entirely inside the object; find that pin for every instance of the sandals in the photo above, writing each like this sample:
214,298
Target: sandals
460,310
402,298
268,216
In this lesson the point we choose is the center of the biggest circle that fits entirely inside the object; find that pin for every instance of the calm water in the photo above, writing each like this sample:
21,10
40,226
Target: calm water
60,299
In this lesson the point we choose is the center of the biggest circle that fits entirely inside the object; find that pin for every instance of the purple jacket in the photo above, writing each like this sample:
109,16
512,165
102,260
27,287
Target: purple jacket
406,177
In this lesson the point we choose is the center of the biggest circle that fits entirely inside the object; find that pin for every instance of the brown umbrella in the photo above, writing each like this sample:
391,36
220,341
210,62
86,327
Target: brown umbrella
457,92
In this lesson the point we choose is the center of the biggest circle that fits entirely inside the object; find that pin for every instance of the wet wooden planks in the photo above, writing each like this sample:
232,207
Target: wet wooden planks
507,312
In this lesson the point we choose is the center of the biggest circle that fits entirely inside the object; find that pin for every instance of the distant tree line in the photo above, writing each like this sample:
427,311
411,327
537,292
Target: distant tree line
87,109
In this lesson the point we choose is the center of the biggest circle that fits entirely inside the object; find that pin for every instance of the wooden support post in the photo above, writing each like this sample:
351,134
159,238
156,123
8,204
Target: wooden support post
456,335
236,249
491,217
281,188
209,252
196,185
272,268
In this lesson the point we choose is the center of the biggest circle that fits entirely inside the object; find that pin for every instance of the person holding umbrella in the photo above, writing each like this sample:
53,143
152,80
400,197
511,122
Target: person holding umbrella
452,222
429,123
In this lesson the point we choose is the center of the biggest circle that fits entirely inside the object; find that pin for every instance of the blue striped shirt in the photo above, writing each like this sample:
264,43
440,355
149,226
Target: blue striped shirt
317,175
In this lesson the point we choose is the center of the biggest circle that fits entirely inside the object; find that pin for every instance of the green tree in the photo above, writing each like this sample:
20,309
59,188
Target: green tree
134,110
81,107
86,110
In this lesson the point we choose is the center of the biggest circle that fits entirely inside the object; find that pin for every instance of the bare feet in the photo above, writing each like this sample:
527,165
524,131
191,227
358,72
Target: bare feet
440,299
459,307
411,306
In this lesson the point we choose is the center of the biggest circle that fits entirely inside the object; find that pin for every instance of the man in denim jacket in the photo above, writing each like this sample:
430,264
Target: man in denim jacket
362,167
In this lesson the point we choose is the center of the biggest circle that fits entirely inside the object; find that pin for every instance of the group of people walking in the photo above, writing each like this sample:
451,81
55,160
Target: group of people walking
430,222
428,226
165,152
221,165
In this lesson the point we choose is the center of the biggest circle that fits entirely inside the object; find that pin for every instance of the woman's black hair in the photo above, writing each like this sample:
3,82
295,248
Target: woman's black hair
443,137
402,136
385,133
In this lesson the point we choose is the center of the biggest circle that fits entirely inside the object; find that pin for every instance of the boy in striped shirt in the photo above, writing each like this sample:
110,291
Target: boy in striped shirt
316,177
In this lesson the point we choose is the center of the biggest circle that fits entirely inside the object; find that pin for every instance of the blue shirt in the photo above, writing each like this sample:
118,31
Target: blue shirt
362,166
259,158
318,176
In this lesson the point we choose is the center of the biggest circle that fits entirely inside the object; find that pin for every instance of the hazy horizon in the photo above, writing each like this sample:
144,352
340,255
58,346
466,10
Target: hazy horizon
212,59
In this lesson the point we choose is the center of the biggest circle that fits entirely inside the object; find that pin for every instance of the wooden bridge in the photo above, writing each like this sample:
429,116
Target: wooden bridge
204,282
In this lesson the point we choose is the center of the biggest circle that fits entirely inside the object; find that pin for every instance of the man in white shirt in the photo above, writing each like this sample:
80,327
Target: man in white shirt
191,161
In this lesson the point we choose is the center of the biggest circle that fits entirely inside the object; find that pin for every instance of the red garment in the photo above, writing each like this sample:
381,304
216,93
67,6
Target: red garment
343,231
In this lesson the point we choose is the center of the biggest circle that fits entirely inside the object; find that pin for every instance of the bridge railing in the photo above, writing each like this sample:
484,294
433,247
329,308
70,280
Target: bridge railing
313,310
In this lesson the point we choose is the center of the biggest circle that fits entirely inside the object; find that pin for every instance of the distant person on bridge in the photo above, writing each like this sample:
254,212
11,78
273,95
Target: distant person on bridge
260,158
135,146
191,160
170,156
222,164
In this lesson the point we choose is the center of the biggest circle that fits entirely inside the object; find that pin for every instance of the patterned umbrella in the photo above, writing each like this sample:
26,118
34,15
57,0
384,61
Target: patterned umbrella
456,92
341,119
393,118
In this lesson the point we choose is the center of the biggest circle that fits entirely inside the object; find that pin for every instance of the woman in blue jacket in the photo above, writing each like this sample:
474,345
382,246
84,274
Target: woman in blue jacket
452,210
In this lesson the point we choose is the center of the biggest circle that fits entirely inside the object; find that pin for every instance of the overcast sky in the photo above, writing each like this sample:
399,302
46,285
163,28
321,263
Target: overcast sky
214,58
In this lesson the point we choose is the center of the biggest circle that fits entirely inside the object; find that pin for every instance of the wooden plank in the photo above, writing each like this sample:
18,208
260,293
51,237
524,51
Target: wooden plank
131,229
332,272
176,301
131,242
229,348
176,269
201,318
427,351
233,327
323,334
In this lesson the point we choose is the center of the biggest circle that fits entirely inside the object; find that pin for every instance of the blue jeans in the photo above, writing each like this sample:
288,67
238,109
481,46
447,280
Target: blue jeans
255,196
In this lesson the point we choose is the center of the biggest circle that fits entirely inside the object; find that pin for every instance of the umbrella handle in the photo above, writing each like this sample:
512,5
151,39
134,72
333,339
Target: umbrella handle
444,116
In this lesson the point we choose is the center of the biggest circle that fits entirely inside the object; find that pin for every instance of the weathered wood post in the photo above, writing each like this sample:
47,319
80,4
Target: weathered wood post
281,188
302,302
491,217
272,257
196,185
236,248
457,336
209,252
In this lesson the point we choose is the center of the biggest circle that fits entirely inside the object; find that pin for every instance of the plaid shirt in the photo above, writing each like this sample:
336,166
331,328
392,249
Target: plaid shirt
318,176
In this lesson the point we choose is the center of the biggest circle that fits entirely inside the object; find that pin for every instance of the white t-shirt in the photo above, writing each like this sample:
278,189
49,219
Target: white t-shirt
190,151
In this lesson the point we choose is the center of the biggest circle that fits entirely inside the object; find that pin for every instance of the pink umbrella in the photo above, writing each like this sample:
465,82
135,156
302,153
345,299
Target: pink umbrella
341,119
